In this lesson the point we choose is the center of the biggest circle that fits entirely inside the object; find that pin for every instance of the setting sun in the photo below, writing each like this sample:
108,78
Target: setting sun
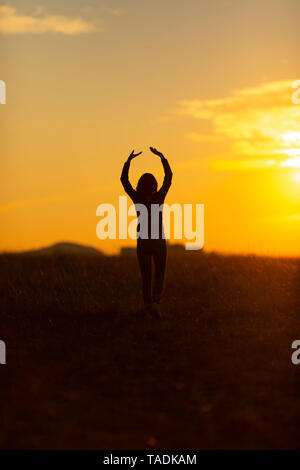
291,162
296,176
292,138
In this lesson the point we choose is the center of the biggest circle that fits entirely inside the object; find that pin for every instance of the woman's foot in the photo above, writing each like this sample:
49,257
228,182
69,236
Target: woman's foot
147,310
152,309
155,310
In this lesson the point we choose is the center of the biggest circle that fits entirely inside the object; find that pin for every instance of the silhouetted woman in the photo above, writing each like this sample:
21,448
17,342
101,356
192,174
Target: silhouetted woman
149,248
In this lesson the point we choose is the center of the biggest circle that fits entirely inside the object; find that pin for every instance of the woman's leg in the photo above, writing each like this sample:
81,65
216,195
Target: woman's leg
160,257
145,262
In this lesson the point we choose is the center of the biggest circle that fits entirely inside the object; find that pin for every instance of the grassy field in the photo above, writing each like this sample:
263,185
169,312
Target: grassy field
84,370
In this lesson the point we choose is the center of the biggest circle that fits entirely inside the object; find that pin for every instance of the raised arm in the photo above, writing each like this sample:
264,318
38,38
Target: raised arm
168,173
124,176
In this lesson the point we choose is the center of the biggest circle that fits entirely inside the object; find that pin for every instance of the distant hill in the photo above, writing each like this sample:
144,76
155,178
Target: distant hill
66,248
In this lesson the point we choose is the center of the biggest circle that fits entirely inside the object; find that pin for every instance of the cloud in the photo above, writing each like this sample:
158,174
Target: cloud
256,122
13,23
241,165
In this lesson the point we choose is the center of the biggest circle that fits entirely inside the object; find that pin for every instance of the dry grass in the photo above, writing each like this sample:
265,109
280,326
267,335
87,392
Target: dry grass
84,371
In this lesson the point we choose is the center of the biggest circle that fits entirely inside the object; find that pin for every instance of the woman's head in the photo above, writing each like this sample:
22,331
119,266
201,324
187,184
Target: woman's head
147,184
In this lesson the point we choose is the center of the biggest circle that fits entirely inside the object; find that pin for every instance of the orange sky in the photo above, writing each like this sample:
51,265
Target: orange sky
207,83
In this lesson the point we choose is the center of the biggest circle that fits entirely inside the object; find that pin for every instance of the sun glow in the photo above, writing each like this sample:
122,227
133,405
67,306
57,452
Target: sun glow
291,163
292,138
291,147
296,177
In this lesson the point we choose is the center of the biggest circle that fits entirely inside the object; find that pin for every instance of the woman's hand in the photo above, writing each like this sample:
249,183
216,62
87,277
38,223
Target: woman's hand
133,155
156,152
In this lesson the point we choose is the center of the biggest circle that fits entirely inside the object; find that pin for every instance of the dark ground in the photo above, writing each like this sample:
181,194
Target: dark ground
84,371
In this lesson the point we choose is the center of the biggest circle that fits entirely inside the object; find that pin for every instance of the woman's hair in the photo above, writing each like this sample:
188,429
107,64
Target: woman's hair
147,184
